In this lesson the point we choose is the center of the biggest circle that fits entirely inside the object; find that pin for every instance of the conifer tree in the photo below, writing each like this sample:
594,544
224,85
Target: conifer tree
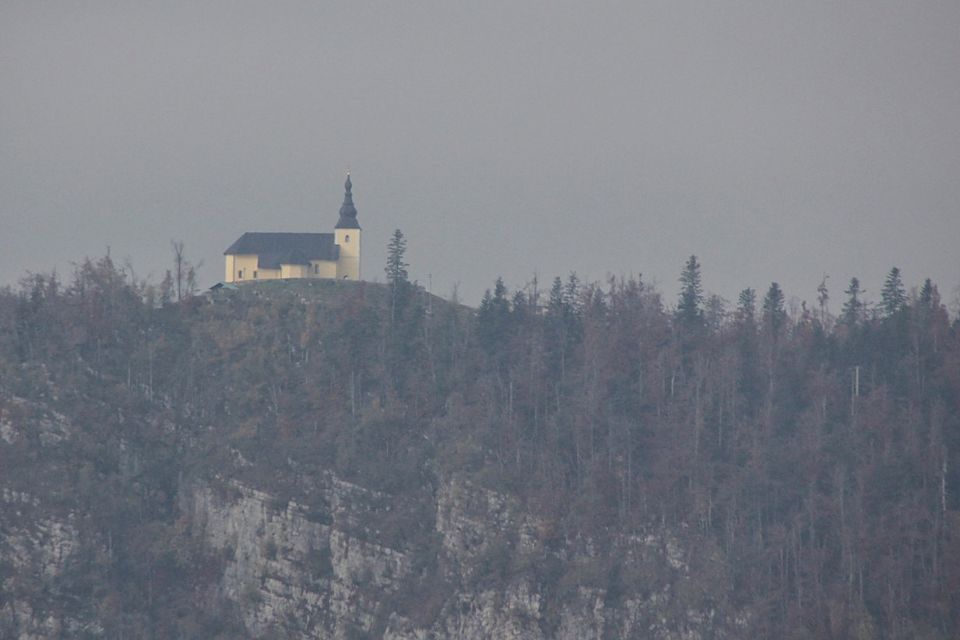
396,271
562,319
774,316
572,292
396,268
557,304
493,317
689,308
747,306
893,295
747,376
853,307
927,295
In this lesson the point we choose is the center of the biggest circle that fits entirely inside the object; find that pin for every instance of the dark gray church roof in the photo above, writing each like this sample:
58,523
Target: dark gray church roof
274,249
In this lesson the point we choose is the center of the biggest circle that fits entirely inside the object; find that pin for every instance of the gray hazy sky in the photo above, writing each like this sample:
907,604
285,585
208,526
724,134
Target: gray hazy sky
775,140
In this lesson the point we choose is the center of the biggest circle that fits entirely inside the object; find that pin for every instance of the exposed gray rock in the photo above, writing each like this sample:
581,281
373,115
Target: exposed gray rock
291,573
328,563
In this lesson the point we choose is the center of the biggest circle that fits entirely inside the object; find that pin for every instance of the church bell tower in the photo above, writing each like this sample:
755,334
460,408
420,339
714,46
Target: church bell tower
346,235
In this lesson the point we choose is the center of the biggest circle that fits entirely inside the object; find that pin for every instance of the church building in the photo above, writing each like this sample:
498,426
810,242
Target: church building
271,256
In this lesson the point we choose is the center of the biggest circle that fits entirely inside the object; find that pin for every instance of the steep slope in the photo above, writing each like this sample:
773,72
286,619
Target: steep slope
348,460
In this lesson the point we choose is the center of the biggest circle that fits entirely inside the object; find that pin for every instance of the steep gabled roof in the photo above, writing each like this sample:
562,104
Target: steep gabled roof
274,249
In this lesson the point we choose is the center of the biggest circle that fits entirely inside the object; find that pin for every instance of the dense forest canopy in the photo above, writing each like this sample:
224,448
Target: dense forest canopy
810,460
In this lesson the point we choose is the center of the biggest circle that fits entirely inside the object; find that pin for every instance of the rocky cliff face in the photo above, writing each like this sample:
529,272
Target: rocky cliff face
39,534
302,573
325,559
291,568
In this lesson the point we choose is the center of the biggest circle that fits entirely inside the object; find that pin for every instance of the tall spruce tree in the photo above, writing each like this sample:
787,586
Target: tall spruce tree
562,320
690,305
396,271
853,308
396,268
748,377
747,306
493,318
927,294
774,316
893,296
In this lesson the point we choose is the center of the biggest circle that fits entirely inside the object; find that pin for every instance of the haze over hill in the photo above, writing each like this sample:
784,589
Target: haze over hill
775,141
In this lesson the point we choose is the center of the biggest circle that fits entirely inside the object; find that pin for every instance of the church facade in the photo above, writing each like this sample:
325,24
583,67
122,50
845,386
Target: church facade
273,256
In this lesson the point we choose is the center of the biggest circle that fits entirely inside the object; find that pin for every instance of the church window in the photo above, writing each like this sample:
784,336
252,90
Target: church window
346,238
240,274
254,274
316,268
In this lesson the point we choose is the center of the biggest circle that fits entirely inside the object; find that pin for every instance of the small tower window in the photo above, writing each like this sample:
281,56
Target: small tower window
240,274
254,275
316,268
346,238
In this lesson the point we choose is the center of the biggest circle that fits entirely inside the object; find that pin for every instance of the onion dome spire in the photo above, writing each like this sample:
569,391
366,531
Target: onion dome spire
348,212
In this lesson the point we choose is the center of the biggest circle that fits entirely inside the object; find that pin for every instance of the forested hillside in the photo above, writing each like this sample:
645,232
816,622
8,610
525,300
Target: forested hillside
687,468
